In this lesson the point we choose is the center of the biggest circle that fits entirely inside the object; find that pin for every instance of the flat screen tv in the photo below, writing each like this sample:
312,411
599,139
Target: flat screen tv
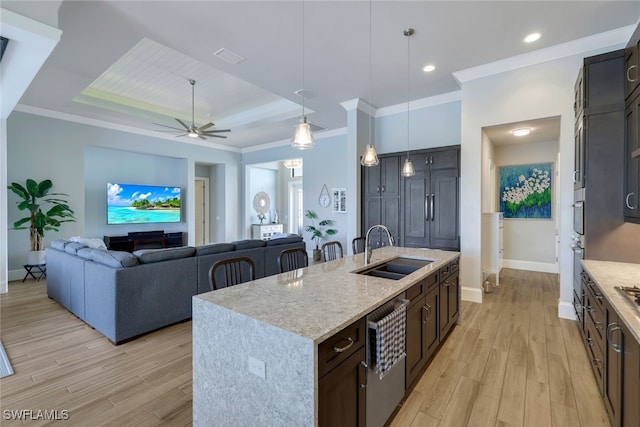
142,204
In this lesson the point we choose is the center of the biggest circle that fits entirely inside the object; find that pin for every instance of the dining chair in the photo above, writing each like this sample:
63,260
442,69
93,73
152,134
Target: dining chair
358,245
292,259
230,272
332,250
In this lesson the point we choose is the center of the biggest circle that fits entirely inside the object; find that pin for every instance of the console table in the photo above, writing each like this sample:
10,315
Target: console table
265,231
145,240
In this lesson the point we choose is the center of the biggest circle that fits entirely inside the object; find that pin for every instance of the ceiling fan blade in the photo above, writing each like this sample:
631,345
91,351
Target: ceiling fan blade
217,136
184,134
183,124
208,125
201,137
167,126
216,131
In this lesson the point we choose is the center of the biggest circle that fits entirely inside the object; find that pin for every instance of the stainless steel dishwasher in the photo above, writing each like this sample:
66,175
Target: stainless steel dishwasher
384,392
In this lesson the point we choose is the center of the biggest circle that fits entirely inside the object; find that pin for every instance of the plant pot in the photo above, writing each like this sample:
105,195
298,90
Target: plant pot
317,254
35,257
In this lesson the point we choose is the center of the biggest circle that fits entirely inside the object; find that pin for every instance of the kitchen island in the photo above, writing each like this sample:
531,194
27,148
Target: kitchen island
255,345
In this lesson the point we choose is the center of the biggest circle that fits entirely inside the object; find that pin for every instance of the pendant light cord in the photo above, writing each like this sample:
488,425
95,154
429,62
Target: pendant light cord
408,33
303,88
370,73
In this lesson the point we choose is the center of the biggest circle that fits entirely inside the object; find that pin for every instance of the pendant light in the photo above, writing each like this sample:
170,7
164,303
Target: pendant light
407,168
370,157
302,137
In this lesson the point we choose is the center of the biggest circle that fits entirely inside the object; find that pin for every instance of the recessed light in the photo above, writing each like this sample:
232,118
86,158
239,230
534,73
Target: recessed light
429,68
532,37
521,132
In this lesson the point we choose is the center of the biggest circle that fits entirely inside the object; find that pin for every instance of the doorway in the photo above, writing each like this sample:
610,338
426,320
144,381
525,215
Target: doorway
201,210
296,214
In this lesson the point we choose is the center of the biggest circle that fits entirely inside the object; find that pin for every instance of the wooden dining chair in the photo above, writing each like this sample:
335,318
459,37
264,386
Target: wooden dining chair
332,250
358,245
230,272
292,259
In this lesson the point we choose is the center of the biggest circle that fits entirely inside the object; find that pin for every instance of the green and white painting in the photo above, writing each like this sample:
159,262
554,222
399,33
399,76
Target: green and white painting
525,191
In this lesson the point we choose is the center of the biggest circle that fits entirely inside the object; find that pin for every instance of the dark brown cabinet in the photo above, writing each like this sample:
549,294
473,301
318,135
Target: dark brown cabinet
632,168
381,199
423,334
342,378
632,64
622,373
431,201
449,302
144,240
342,395
579,148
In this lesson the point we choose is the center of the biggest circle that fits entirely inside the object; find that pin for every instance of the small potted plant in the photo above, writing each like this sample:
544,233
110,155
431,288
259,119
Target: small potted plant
34,196
318,234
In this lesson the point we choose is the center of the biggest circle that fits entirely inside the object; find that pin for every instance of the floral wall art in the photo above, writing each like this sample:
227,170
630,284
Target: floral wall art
525,191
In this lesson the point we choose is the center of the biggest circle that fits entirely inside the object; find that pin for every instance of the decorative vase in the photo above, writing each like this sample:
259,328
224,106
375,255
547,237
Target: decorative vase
317,254
35,257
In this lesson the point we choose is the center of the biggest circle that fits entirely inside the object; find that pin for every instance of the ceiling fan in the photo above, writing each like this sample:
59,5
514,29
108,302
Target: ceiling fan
192,131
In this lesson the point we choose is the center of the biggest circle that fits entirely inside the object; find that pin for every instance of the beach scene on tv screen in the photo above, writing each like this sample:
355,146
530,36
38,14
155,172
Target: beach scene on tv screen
142,204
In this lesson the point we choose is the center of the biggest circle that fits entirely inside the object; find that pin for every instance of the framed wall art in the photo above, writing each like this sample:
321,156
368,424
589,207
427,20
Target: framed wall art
339,200
526,191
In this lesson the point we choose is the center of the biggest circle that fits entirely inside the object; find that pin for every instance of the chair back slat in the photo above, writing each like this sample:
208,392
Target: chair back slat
231,272
292,259
358,245
332,250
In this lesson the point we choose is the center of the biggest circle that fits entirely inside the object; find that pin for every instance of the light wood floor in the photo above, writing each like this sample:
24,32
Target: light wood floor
511,362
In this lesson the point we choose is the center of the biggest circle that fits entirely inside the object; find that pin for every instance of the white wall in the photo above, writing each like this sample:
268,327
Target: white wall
4,269
542,90
260,179
529,243
41,147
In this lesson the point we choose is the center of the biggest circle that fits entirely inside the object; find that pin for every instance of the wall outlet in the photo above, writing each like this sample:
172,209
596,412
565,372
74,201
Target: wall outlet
257,367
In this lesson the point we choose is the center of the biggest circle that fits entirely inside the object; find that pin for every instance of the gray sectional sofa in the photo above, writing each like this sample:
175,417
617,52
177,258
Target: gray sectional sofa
123,295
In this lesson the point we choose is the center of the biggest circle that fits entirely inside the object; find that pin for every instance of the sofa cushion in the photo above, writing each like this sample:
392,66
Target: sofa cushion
72,247
85,253
248,244
59,244
148,256
284,240
114,258
215,248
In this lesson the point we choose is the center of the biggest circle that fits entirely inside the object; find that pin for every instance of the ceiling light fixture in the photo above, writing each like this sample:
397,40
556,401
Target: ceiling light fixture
532,37
292,163
429,68
408,169
521,131
302,137
370,157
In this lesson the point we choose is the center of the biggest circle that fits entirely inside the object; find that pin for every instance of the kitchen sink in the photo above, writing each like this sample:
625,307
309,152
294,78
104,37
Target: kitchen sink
395,268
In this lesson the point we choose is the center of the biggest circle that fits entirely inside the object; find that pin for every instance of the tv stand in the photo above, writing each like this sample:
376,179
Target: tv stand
135,240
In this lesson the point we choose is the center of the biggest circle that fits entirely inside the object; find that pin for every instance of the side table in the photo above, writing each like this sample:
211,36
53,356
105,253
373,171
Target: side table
40,269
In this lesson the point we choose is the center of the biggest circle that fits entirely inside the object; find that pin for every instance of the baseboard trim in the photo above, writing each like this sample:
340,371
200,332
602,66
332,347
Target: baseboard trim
566,311
16,275
472,294
542,267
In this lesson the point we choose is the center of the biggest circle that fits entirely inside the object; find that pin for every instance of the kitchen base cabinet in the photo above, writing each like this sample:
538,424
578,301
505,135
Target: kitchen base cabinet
423,335
342,395
449,303
622,373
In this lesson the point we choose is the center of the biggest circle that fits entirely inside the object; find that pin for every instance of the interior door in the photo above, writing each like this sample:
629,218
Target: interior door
201,211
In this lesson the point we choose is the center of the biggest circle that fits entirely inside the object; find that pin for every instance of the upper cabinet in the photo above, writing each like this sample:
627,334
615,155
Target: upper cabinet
632,64
381,199
599,88
632,169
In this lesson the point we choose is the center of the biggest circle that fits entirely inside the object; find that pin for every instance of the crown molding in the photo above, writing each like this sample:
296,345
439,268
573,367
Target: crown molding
614,39
113,126
418,104
284,142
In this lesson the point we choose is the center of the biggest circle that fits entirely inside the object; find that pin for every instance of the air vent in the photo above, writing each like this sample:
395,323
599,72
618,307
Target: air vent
3,45
305,93
229,56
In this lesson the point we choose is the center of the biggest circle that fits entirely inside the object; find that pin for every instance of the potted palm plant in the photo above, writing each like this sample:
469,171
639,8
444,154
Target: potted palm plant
35,196
318,233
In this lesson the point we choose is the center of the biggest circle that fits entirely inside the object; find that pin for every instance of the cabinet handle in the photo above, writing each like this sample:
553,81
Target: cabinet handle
430,160
599,297
345,348
611,328
626,201
433,211
378,188
426,207
383,188
589,342
598,325
575,177
363,373
427,309
597,363
629,79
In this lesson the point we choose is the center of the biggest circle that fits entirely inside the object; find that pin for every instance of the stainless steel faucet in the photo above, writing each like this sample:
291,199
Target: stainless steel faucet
367,247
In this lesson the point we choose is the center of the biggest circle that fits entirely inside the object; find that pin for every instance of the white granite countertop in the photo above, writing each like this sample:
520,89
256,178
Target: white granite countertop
317,301
608,274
